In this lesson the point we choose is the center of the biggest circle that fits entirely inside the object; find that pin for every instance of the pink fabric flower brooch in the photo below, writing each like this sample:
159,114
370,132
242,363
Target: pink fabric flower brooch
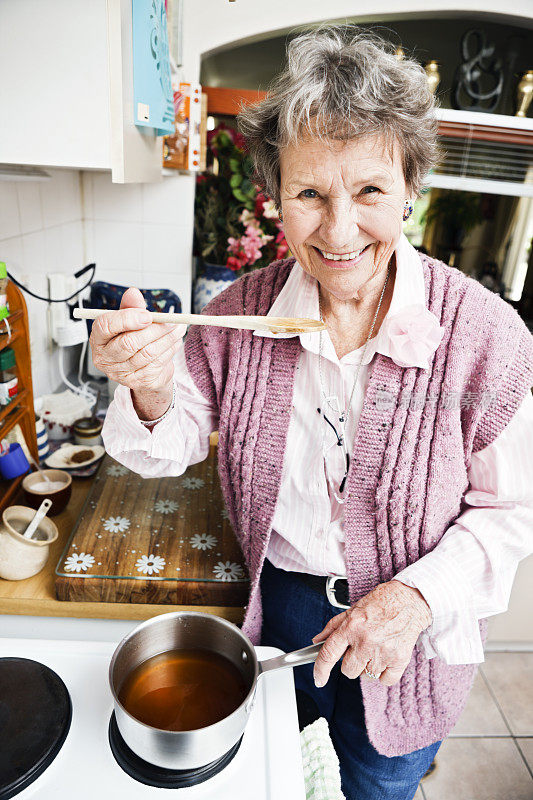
414,334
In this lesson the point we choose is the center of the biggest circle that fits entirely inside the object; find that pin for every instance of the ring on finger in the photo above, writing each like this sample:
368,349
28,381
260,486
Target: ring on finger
371,674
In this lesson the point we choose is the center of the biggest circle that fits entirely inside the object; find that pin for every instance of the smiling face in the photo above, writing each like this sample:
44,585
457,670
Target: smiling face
343,199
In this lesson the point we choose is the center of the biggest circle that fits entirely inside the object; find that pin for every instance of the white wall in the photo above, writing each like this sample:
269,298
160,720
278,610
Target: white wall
140,234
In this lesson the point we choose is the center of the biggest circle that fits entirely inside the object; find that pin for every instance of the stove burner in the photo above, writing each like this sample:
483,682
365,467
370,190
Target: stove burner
152,775
35,715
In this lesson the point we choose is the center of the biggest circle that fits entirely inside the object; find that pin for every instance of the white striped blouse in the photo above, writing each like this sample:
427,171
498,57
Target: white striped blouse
468,575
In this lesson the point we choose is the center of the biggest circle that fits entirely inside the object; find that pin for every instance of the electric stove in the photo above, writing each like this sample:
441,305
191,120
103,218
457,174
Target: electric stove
84,756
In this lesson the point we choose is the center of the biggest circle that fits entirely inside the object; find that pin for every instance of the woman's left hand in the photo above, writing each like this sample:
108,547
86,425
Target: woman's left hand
378,632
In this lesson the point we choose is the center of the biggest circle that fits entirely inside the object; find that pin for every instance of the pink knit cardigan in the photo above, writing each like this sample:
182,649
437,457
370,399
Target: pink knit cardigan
408,472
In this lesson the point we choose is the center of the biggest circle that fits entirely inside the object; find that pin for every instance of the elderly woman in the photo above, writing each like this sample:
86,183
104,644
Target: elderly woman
378,467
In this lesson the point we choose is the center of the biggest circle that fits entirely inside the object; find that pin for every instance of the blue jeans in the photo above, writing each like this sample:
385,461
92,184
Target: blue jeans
292,614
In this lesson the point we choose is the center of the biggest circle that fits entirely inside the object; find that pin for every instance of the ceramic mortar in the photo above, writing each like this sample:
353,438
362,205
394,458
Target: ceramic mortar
19,557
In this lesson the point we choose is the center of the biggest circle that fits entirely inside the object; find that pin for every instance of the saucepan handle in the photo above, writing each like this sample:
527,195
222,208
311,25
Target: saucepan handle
304,656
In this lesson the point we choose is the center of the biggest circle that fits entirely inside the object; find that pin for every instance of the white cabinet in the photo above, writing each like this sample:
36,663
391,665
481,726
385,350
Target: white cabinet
66,89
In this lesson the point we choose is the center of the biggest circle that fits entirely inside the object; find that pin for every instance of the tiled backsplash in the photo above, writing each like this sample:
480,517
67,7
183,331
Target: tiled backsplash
137,234
140,234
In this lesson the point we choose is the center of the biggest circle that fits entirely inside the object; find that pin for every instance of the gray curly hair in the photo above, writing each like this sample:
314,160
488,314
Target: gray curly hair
341,82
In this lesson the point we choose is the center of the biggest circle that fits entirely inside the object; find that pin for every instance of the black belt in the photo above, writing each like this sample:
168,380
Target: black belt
335,589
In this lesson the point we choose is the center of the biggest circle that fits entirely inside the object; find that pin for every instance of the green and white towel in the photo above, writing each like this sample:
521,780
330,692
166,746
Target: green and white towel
321,765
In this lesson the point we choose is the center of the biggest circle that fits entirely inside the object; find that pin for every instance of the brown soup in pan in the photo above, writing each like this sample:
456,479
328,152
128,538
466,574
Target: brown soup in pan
182,690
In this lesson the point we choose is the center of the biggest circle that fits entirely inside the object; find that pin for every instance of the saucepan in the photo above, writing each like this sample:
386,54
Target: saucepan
191,749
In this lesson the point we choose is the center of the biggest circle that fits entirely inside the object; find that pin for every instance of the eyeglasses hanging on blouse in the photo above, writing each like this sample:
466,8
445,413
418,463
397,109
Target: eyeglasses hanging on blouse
341,443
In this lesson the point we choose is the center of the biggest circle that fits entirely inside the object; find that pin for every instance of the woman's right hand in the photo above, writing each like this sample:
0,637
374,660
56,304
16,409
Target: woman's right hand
136,352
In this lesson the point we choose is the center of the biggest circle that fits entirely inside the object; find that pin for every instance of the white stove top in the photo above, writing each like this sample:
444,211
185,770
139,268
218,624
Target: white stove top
268,765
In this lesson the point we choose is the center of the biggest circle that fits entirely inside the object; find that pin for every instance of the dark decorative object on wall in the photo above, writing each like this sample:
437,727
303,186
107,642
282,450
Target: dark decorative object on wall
478,81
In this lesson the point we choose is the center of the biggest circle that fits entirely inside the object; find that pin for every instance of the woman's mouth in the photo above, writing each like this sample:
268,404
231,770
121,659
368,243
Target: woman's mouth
341,260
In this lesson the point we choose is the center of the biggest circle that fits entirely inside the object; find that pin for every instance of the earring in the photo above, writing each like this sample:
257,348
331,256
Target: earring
280,215
407,210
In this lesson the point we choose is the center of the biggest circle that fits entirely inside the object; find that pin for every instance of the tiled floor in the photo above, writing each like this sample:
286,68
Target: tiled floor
489,755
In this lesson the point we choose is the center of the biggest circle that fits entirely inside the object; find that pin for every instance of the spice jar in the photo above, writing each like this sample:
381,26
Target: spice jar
88,431
8,376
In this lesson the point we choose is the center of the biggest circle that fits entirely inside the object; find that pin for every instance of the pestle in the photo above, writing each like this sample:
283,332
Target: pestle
39,515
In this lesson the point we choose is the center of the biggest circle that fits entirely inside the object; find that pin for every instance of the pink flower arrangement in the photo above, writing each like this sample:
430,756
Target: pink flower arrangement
247,249
256,244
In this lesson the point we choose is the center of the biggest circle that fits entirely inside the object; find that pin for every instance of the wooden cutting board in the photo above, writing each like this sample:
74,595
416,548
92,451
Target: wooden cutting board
161,540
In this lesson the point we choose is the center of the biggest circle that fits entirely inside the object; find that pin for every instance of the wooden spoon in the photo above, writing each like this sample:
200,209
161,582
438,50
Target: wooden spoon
272,324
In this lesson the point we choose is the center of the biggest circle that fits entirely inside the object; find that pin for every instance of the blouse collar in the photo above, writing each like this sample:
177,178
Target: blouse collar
299,298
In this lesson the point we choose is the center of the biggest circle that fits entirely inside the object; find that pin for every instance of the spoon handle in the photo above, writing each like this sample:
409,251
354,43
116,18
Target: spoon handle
184,319
39,515
275,325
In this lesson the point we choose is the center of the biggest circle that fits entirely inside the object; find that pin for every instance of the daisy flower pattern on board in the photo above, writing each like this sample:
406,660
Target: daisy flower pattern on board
117,524
150,564
78,562
224,513
166,506
116,470
228,571
192,483
203,541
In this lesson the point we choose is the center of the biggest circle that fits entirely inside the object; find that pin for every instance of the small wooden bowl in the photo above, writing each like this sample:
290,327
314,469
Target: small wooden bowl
59,497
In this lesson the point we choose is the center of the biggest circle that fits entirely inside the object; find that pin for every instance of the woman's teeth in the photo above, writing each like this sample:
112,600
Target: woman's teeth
343,256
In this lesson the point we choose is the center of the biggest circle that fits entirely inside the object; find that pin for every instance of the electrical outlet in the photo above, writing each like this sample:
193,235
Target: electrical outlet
57,312
60,286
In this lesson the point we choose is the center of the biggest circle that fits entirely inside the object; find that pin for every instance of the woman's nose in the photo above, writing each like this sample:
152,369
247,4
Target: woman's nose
339,227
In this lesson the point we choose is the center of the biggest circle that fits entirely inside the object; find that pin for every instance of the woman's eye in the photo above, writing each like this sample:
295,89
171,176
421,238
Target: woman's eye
310,194
370,189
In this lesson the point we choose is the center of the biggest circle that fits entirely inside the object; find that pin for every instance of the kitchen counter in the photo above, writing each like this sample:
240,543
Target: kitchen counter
36,596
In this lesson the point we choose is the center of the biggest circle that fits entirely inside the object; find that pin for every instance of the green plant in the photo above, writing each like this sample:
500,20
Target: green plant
457,212
215,217
222,192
